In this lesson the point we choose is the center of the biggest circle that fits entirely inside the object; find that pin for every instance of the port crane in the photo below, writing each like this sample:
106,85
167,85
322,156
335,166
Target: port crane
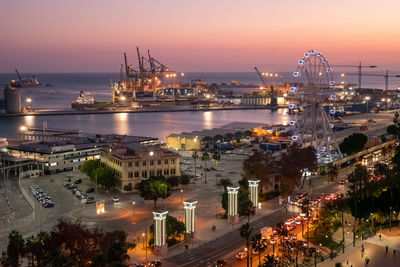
359,68
386,76
274,101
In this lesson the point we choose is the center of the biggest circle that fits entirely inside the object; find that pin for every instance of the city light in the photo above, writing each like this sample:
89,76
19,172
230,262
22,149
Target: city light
123,98
22,128
29,100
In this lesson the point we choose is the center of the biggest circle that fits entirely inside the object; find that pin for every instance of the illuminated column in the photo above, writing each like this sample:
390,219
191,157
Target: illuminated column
160,233
253,188
233,216
190,206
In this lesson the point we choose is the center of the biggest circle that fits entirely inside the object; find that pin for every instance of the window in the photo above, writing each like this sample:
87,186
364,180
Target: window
159,172
144,174
144,163
172,171
151,173
130,164
159,162
130,174
136,163
166,171
151,162
172,161
166,161
136,174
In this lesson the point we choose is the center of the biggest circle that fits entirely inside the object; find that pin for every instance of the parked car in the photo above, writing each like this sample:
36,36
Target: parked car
90,190
115,199
78,181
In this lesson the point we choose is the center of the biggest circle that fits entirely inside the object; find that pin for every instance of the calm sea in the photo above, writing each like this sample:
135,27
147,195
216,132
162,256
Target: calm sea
68,85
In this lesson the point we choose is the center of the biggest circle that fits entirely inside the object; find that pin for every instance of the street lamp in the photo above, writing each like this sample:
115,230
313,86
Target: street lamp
181,195
134,209
367,98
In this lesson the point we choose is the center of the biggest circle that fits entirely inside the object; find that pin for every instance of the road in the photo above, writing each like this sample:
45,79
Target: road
227,245
208,254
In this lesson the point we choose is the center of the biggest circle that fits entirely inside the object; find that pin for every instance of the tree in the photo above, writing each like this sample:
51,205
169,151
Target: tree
15,249
184,179
175,230
258,166
246,208
173,181
394,129
89,166
153,189
38,246
104,177
205,157
333,172
295,164
195,157
225,182
353,143
257,245
245,232
69,244
243,202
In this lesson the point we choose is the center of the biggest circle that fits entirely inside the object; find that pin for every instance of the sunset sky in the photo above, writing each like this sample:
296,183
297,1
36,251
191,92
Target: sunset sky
195,35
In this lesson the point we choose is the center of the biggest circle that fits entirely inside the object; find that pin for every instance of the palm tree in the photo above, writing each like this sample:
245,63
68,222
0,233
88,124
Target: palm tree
216,157
257,246
245,232
225,182
205,157
195,156
15,249
247,208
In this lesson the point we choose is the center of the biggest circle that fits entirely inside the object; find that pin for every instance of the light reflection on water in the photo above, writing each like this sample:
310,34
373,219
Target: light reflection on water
158,124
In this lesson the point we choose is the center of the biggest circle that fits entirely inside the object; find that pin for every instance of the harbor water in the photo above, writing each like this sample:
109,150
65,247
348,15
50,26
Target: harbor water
68,85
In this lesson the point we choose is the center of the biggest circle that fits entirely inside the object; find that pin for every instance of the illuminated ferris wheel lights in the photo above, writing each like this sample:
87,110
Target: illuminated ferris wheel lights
319,54
323,149
331,82
294,138
313,52
332,111
292,106
296,74
301,62
324,60
293,89
333,97
332,125
317,156
329,138
292,123
306,54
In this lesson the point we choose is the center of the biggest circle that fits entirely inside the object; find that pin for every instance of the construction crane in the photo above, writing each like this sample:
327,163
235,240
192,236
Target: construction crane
386,76
359,67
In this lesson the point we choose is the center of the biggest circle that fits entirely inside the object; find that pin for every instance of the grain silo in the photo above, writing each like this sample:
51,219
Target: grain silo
12,98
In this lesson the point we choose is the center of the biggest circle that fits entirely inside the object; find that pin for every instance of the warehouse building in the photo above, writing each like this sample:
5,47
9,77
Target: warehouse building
198,140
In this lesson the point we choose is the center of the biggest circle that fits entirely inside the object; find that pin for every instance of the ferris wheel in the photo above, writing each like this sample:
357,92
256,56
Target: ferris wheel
312,106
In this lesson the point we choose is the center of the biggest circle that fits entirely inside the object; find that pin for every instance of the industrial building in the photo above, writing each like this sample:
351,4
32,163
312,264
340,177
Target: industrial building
198,140
12,99
132,162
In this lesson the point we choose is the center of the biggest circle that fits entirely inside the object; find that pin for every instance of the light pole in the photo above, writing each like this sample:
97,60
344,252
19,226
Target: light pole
181,195
134,208
367,98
